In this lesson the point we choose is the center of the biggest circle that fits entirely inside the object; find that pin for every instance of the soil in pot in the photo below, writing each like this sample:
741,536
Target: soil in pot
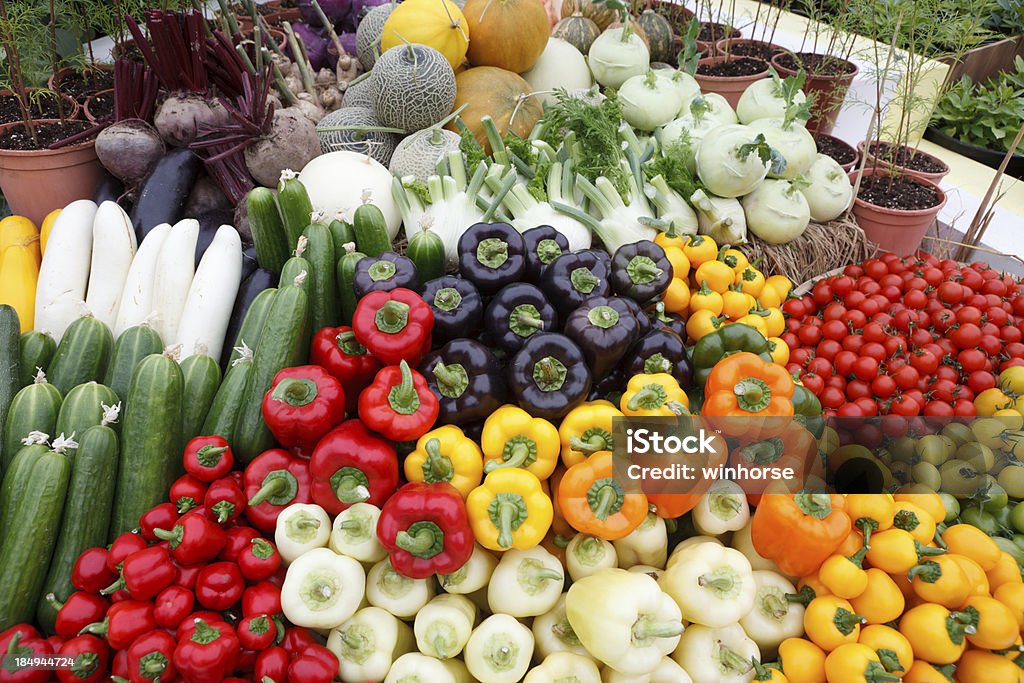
738,66
39,108
828,79
100,106
17,138
749,48
844,154
901,193
712,32
79,84
907,158
817,65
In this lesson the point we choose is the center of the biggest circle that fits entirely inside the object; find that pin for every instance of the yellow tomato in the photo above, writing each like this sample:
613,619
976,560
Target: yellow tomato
751,280
775,322
779,350
769,297
700,248
1012,379
677,297
702,323
680,264
756,321
670,239
990,401
716,274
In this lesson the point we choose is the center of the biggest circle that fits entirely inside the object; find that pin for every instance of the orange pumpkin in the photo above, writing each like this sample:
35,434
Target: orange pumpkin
494,92
508,34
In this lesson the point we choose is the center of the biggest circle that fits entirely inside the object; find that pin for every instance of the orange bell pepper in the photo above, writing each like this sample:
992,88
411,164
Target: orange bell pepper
798,532
594,503
743,386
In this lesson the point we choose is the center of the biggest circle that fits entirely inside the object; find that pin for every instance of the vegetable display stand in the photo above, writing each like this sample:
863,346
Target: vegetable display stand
35,182
883,164
986,60
829,90
729,87
897,230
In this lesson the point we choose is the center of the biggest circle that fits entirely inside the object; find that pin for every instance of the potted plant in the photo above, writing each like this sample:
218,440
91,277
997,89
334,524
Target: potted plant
996,52
844,154
761,43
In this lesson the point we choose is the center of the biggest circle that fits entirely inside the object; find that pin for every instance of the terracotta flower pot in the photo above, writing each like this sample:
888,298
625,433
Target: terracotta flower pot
735,46
729,87
829,90
897,230
934,178
57,77
87,108
35,182
71,107
853,153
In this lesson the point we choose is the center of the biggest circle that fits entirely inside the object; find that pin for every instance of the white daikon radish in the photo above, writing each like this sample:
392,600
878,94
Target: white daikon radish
113,240
175,267
204,322
137,301
64,273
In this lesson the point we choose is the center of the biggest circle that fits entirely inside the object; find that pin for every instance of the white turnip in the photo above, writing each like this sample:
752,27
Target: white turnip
292,143
649,101
765,99
792,141
616,55
129,149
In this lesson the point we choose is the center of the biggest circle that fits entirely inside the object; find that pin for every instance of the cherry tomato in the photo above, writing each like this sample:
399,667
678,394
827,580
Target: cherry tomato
867,405
810,335
906,377
869,287
828,348
990,345
853,270
971,278
968,314
979,380
800,355
905,405
875,268
822,293
820,366
850,410
998,316
964,408
813,383
895,346
834,329
853,342
792,341
857,388
794,308
843,285
869,307
873,350
967,336
854,299
883,386
916,299
837,381
874,332
924,361
856,319
943,390
943,320
994,286
1010,334
971,360
844,361
933,276
947,372
865,368
831,397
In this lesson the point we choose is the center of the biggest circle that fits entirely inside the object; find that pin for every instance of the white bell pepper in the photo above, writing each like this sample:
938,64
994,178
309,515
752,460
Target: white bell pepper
399,595
368,643
667,672
355,533
586,555
525,583
723,508
553,633
773,618
473,575
646,544
687,543
653,572
742,541
322,589
301,528
499,650
717,655
443,627
564,667
418,668
712,585
624,619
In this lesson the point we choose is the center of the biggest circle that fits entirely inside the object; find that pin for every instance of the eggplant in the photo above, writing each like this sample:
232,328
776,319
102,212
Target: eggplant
110,190
260,279
249,262
165,191
209,224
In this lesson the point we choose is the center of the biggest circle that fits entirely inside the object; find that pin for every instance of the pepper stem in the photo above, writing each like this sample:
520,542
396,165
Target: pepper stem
733,660
650,397
209,456
437,466
516,456
646,628
814,504
777,605
346,341
591,442
392,317
173,536
422,539
350,485
279,487
752,394
642,270
403,397
605,498
295,391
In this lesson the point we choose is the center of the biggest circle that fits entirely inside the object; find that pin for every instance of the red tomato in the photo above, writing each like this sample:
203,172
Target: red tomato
967,336
867,405
820,366
971,360
854,299
875,268
998,316
895,346
947,372
990,345
905,405
1010,334
834,330
964,408
950,292
837,381
917,283
844,361
865,368
971,278
856,318
873,350
810,335
801,355
853,342
906,377
831,397
869,307
883,386
891,280
874,332
994,286
943,320
924,362
968,314
916,299
980,380
822,293
933,276
842,285
828,348
792,341
794,308
891,293
853,270
814,383
850,410
1014,349
943,390
904,320
857,388
834,311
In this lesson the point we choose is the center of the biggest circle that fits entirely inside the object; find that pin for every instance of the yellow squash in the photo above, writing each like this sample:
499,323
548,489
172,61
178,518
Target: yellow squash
18,231
19,272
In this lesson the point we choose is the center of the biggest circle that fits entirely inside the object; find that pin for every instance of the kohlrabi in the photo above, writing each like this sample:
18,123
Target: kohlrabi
793,142
769,98
616,55
649,101
776,211
702,114
828,190
732,160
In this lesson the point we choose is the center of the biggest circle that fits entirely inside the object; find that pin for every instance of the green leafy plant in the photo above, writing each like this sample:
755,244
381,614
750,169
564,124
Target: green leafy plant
1006,17
985,115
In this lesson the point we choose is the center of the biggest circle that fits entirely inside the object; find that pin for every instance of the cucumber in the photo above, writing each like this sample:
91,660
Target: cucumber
14,483
26,552
86,514
320,253
426,250
346,282
296,208
342,233
284,343
201,376
34,409
150,441
268,233
85,406
298,272
10,361
83,354
252,326
37,349
132,346
228,401
371,230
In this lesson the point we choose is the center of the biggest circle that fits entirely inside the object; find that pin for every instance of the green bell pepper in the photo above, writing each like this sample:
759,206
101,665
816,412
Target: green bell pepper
807,410
726,341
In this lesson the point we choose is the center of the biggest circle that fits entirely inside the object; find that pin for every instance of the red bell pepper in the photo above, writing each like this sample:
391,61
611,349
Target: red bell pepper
123,546
208,458
297,639
172,606
145,573
219,586
225,500
352,465
187,492
261,598
256,632
274,480
259,561
302,405
150,656
187,575
399,404
77,612
163,516
119,666
239,540
271,666
194,539
125,621
316,664
91,657
21,648
21,631
188,625
208,654
336,350
394,326
90,573
425,529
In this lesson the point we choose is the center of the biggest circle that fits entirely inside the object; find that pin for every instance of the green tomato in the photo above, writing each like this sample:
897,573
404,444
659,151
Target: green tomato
1010,548
994,497
958,432
981,457
932,449
1017,518
927,474
952,506
977,517
1011,478
1018,540
902,449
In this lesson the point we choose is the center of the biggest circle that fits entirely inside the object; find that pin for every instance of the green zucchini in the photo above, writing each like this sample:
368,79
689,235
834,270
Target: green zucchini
371,230
268,233
201,376
284,343
342,233
34,409
14,483
150,441
87,405
296,208
32,537
37,349
86,514
228,401
252,326
82,355
323,301
132,346
10,361
346,278
426,250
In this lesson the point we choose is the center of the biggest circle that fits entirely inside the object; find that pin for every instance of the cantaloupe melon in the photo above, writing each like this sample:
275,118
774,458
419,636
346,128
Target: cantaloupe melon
437,23
500,94
414,87
368,34
417,154
351,129
359,93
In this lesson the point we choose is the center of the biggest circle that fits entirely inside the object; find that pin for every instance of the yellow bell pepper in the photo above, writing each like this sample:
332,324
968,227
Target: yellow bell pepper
734,258
1012,595
770,297
19,273
896,551
773,320
736,303
779,350
751,280
769,673
701,323
46,228
882,601
802,661
1006,571
871,512
700,248
446,454
671,238
830,621
781,284
978,666
512,438
915,519
855,663
677,297
658,394
940,580
936,635
716,274
706,299
924,672
975,575
997,626
18,231
509,510
929,501
964,539
586,430
891,646
843,575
